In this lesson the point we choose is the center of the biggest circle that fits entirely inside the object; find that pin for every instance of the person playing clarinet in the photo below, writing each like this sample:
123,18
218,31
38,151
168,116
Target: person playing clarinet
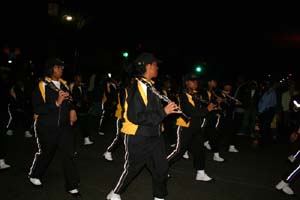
141,131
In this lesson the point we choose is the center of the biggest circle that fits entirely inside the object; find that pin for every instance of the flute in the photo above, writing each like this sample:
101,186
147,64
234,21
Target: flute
164,98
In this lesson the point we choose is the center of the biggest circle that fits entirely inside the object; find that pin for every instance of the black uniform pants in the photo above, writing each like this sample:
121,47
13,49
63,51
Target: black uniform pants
117,141
49,140
190,138
140,151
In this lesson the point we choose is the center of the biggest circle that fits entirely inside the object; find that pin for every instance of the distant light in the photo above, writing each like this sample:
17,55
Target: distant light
280,81
283,79
198,69
109,75
68,17
290,74
9,61
30,61
125,54
269,75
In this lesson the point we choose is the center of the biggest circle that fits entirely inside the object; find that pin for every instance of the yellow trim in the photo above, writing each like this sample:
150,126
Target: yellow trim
35,117
104,98
190,99
180,121
128,127
209,95
108,88
118,113
144,96
42,90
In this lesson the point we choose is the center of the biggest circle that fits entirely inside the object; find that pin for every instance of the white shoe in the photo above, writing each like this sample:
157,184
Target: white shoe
9,132
291,158
3,165
113,196
35,181
27,134
202,176
186,155
232,149
155,198
173,145
217,158
100,133
284,187
108,156
207,145
87,141
74,191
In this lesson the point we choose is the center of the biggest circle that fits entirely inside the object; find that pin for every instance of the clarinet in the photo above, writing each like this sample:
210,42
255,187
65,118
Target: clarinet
51,85
164,98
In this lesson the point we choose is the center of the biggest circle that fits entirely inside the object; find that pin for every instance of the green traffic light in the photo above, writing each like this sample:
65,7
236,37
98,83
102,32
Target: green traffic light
198,69
125,54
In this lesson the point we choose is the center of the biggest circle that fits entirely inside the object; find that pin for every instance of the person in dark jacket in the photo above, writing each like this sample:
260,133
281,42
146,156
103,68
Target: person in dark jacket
4,96
189,132
54,117
141,129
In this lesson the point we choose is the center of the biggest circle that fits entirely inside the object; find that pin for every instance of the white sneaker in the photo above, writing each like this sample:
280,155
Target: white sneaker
287,190
207,145
27,134
217,158
35,181
108,156
100,133
155,198
232,149
202,176
74,191
284,187
186,155
9,132
87,141
291,158
3,165
173,145
113,196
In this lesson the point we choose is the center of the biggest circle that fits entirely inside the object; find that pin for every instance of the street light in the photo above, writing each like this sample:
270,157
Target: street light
68,17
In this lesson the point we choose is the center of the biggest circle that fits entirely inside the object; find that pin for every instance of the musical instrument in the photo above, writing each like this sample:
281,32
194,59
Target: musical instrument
52,86
232,98
162,97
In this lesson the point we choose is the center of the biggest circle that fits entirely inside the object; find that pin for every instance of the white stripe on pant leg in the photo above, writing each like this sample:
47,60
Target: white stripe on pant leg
39,149
218,121
295,156
102,116
176,150
126,165
293,173
117,136
10,115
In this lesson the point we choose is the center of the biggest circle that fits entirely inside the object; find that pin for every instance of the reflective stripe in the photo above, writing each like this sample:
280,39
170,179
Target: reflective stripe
116,138
293,174
176,150
39,149
10,116
126,166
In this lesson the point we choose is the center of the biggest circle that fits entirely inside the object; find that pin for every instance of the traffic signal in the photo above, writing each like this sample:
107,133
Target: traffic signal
198,68
125,54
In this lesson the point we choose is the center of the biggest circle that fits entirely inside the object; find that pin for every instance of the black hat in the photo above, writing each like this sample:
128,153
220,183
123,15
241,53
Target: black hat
191,76
145,58
54,61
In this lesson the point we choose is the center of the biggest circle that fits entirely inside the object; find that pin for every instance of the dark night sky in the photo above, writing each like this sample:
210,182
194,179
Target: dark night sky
246,38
